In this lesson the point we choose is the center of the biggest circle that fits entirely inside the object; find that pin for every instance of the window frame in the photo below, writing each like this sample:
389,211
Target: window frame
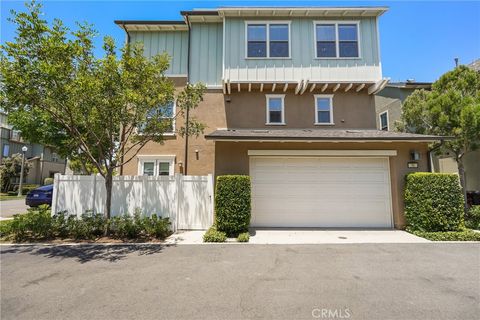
337,40
173,133
156,159
267,25
267,109
323,96
380,120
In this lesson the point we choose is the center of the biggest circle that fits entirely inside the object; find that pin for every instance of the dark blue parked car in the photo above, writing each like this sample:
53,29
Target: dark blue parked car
42,195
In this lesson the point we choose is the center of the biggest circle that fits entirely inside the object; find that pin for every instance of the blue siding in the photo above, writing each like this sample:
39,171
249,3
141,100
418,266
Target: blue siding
302,45
174,43
206,53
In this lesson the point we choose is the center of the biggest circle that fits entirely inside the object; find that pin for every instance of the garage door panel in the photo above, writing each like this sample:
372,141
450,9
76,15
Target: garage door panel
320,192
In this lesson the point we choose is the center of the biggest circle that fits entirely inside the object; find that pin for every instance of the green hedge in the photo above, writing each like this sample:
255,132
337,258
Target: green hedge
39,224
433,202
232,204
465,235
472,219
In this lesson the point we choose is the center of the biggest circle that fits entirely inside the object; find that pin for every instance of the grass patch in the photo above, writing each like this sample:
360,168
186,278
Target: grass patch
464,235
6,197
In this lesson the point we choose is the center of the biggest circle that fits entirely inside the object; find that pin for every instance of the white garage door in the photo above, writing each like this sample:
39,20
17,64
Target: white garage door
320,192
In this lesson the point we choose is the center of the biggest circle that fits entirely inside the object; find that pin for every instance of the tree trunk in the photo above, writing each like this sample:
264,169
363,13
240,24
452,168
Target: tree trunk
461,174
108,187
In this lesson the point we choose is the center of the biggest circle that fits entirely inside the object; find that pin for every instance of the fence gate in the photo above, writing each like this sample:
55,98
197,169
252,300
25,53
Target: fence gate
195,205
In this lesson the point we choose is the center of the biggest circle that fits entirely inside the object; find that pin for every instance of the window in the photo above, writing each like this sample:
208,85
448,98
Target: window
323,109
156,165
268,40
6,150
384,121
165,112
337,40
54,157
275,109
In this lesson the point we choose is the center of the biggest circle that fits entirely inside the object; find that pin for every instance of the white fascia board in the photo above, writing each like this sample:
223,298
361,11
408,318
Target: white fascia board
357,153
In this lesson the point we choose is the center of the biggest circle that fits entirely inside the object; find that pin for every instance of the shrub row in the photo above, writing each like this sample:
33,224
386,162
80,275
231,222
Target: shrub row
39,224
232,204
433,202
464,235
472,219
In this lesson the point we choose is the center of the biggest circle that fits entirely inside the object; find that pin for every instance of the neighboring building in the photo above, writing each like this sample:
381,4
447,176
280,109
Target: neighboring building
44,161
388,106
290,102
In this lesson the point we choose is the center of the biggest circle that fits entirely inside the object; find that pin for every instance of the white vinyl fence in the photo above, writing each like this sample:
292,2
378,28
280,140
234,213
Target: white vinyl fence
186,200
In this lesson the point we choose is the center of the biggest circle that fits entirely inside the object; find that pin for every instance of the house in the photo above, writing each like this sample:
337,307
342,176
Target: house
290,102
388,106
43,159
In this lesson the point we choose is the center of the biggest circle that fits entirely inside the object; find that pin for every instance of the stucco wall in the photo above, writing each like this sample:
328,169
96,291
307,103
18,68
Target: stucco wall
232,158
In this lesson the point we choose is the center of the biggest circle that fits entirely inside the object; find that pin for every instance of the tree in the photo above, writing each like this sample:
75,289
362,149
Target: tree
451,108
90,109
10,168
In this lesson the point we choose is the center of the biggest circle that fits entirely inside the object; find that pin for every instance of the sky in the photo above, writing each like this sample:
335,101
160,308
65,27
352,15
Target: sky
418,39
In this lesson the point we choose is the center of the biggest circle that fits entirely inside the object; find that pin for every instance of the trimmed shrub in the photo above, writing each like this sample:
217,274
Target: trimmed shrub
232,204
47,181
465,235
433,202
36,224
157,227
26,188
213,235
472,219
243,237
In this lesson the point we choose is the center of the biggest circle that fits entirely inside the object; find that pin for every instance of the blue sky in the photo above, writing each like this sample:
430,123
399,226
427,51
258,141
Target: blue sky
418,40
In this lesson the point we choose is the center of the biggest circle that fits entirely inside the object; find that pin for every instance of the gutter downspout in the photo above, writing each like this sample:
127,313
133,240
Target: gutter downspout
122,130
187,116
430,157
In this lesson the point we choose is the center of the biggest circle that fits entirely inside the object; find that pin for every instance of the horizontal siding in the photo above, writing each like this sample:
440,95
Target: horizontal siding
174,43
206,53
303,63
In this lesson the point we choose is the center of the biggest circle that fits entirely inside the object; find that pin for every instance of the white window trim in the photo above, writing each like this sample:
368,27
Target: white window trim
156,159
337,42
267,97
380,120
173,124
267,23
330,97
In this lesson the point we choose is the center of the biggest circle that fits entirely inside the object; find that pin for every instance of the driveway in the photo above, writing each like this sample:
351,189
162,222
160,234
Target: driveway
369,281
10,207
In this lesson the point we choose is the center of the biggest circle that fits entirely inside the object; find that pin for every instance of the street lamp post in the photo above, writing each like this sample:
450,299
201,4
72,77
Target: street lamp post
24,150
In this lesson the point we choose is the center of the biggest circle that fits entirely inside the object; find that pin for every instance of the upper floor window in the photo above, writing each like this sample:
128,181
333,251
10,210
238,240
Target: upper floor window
55,157
383,121
337,40
323,109
268,40
167,114
275,109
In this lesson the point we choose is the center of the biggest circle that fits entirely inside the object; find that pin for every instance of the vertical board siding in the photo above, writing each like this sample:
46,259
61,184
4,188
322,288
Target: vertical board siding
303,63
174,43
206,53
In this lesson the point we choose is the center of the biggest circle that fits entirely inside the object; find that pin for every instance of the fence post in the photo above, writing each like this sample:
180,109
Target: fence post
179,195
94,192
211,193
56,181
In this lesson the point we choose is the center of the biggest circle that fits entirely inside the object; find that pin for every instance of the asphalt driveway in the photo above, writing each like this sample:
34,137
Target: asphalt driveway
369,281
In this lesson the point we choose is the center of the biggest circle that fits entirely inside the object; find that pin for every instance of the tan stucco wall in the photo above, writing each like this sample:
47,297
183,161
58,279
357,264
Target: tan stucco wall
350,110
447,164
232,158
211,112
247,110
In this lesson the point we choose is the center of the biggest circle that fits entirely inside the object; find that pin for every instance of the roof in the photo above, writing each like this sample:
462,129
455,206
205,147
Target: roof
317,135
302,11
152,25
475,65
410,85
